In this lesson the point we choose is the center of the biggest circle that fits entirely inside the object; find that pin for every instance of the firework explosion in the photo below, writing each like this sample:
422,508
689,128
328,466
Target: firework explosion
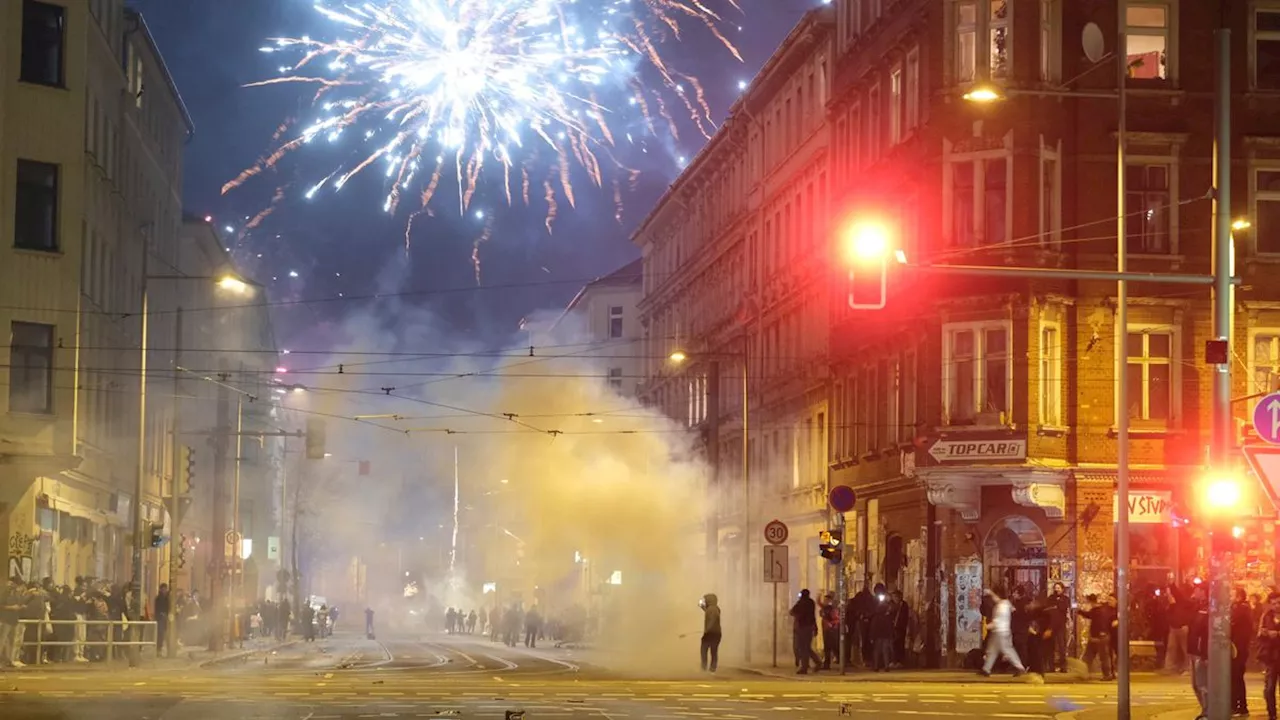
440,88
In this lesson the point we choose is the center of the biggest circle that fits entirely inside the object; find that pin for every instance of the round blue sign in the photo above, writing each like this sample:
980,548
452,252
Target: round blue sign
1266,418
842,498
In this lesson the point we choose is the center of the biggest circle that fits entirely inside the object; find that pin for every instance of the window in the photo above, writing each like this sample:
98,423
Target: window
1050,200
907,390
979,197
134,70
1264,361
966,41
1050,375
1266,48
36,209
1150,369
1048,41
872,392
615,378
30,368
1147,41
998,36
1266,211
874,138
43,37
1147,209
913,88
615,321
891,376
895,106
977,374
980,24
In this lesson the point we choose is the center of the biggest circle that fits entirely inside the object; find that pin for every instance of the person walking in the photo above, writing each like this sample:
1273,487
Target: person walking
368,623
882,633
1102,619
1000,638
1182,609
308,622
1269,651
532,626
1197,642
805,628
163,607
11,604
709,649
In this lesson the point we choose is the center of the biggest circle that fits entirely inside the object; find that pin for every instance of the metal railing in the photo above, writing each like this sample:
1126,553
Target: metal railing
125,634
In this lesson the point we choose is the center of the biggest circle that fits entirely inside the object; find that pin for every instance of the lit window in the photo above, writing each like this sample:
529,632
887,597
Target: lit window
1147,209
998,31
1264,363
1266,49
1050,376
977,373
1147,41
30,368
1266,211
966,41
1150,368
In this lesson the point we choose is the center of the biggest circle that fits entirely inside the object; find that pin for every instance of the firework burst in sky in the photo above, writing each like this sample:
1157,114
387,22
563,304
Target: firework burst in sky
433,91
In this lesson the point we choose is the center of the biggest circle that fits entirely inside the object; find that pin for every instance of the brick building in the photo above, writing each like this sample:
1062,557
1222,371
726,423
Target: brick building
975,416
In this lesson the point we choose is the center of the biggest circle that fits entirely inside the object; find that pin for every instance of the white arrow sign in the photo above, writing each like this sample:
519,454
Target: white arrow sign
1266,418
979,450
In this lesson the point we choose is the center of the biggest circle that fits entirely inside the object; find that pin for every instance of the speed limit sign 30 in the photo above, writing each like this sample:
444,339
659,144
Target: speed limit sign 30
776,533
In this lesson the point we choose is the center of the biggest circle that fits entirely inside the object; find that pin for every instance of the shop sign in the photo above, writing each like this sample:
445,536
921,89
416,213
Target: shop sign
1146,507
979,450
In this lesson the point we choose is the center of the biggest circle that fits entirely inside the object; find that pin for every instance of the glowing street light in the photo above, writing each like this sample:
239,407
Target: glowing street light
678,356
231,283
984,94
1241,224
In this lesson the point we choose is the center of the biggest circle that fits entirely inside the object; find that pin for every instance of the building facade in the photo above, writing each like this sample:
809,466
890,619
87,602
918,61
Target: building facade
974,416
91,136
604,313
977,416
734,284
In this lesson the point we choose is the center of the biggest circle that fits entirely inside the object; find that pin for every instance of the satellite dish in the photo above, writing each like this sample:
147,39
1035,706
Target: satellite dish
1092,42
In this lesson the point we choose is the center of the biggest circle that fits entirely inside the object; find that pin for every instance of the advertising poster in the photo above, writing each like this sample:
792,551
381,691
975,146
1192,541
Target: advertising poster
968,605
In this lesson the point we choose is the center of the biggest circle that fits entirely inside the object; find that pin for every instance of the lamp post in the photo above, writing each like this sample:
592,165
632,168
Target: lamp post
679,357
227,282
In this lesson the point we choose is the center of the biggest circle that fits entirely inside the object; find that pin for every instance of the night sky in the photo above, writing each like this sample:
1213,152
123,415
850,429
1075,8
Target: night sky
345,243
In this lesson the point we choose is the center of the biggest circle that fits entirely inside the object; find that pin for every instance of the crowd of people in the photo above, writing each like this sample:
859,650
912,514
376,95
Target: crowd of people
58,614
513,624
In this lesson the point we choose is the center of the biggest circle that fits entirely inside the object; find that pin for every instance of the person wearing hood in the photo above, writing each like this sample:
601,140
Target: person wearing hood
710,650
805,614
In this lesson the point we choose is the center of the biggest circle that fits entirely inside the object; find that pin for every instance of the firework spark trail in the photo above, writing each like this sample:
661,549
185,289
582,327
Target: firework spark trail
524,82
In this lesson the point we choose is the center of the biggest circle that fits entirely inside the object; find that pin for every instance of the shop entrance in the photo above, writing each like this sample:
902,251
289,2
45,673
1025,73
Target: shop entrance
1015,556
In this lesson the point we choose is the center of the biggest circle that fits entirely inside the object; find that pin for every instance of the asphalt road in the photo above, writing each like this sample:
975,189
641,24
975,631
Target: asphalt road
434,677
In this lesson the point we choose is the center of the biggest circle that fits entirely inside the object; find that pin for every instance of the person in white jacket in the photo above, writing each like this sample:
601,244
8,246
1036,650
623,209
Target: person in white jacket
1000,641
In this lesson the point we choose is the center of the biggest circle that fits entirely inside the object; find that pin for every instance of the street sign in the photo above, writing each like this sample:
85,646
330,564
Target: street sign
776,532
777,564
273,548
842,498
1265,461
1266,418
977,450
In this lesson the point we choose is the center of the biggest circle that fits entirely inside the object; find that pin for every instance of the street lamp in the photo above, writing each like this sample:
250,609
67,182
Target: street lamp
678,357
233,283
984,94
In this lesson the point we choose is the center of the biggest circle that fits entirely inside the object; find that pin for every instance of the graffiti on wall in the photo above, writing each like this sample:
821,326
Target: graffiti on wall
21,547
968,605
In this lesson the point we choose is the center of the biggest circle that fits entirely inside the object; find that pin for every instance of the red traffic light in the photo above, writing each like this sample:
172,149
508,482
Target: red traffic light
867,241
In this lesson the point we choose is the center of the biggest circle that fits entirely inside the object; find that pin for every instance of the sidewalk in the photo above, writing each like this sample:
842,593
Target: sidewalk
184,658
931,676
1138,712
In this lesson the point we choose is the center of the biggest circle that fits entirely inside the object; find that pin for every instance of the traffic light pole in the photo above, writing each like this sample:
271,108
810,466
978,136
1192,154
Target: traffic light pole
217,588
1219,690
841,594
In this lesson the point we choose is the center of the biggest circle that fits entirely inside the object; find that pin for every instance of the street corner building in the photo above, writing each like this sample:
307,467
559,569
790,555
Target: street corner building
974,415
93,242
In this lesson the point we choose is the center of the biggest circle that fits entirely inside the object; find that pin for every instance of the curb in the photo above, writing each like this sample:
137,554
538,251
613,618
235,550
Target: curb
240,654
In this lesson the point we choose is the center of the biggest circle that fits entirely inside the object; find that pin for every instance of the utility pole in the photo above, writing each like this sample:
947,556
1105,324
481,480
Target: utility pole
1219,695
217,594
1122,366
713,462
175,502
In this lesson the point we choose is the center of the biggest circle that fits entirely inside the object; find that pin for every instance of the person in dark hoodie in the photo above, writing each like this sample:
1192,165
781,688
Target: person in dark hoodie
710,649
805,615
882,633
1198,645
1269,651
1242,632
1059,610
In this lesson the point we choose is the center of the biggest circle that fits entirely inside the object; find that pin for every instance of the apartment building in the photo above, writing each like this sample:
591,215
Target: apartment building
976,417
735,284
91,136
604,316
